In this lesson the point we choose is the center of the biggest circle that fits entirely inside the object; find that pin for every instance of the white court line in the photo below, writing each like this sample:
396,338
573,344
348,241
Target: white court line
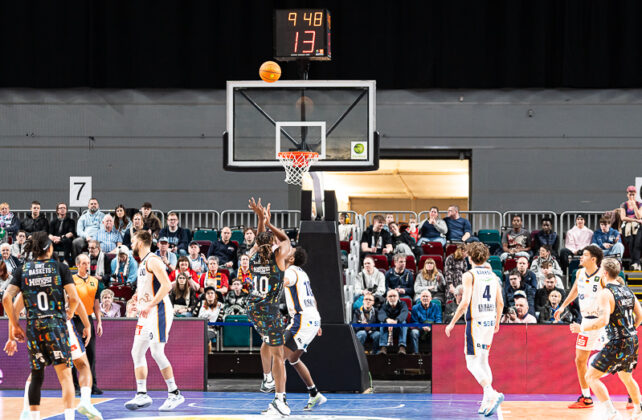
500,413
194,405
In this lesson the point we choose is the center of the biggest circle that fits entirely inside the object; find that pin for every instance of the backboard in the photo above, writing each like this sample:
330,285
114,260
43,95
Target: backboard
334,118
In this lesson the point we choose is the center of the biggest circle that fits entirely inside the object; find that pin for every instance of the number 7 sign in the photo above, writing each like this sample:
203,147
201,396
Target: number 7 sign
79,191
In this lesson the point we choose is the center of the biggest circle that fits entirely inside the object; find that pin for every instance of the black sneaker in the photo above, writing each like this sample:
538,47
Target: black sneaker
96,391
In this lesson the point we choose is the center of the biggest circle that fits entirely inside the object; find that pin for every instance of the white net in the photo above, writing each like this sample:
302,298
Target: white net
296,164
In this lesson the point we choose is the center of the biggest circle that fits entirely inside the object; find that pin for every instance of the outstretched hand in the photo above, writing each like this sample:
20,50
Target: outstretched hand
256,207
266,213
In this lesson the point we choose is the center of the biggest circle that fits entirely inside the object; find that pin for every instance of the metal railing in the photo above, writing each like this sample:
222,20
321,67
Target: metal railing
158,213
531,220
283,219
197,219
567,220
479,219
49,214
400,216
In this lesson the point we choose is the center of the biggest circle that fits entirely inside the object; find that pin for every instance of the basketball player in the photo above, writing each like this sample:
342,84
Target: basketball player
483,304
587,285
154,323
43,282
621,315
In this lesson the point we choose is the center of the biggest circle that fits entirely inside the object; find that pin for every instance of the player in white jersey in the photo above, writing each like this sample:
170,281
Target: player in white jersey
483,304
154,323
587,286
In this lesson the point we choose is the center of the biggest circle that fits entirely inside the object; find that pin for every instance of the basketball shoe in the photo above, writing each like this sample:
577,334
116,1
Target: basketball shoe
314,401
277,408
494,402
89,411
268,386
173,400
582,402
141,400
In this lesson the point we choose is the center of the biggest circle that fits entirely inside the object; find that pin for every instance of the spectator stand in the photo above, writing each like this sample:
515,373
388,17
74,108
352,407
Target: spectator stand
283,219
197,219
49,214
567,221
482,219
156,212
400,216
531,220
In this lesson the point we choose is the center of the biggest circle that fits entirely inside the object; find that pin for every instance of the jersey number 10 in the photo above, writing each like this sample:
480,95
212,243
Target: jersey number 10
262,284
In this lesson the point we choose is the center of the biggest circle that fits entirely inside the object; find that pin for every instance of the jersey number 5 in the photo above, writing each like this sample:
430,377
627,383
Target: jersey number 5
487,292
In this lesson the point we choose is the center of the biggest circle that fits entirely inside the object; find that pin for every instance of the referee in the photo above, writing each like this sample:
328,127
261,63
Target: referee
89,289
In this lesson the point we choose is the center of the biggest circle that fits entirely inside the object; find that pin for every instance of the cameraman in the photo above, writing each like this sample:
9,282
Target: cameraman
370,279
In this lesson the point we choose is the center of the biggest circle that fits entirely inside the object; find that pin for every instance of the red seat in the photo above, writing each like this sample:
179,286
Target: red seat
122,291
439,261
433,248
411,264
345,246
235,243
225,271
205,246
381,261
510,263
450,249
408,303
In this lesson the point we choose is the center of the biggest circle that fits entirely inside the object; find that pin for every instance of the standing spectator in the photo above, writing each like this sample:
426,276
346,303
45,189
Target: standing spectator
18,246
431,279
108,309
182,296
35,222
183,266
124,268
150,220
168,257
367,314
413,230
197,260
178,237
528,277
370,280
224,249
236,299
517,241
10,261
454,268
546,236
376,240
99,265
424,312
136,225
62,231
210,308
400,278
541,295
631,216
248,241
520,314
459,229
244,274
8,221
545,256
393,312
108,237
121,221
433,229
402,243
547,312
214,278
578,238
546,269
516,287
88,226
451,306
608,239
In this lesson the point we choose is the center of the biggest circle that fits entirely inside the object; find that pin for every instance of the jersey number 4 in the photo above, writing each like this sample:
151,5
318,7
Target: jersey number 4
487,292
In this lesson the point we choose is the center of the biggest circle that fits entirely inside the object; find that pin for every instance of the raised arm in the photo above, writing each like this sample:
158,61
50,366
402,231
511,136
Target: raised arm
257,208
278,233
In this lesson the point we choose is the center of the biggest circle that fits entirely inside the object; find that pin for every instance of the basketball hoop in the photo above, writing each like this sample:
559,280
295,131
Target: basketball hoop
296,164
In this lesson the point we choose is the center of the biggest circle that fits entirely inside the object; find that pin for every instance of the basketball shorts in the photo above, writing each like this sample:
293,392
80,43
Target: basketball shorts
618,356
479,336
157,324
48,342
268,322
76,342
301,331
591,340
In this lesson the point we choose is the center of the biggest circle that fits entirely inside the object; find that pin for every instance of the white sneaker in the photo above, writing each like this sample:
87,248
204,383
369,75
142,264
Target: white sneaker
139,401
493,402
267,387
314,401
277,408
89,411
172,401
483,406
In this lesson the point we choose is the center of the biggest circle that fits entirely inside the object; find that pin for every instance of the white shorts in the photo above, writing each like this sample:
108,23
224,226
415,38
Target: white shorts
479,336
76,342
302,330
593,340
157,324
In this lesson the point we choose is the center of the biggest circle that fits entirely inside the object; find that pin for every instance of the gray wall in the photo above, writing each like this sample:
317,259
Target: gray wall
573,150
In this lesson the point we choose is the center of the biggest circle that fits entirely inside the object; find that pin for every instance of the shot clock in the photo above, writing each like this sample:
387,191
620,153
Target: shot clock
302,34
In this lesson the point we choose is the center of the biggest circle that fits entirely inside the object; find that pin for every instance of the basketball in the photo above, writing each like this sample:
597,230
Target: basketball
270,71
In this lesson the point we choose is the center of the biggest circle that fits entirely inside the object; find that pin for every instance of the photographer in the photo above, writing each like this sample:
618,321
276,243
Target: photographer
370,279
519,314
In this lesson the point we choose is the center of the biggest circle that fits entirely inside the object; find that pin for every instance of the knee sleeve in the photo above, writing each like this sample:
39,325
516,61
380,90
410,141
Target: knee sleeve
474,365
138,352
158,353
295,362
37,378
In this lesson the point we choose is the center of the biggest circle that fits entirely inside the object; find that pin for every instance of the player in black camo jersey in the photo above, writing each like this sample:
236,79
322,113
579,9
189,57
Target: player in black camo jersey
43,282
621,313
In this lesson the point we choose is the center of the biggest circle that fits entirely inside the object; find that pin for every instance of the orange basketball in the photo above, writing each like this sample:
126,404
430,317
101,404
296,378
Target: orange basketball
270,71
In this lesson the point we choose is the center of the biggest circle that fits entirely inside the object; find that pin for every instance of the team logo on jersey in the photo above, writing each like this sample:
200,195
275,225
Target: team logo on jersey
57,354
74,347
582,340
483,346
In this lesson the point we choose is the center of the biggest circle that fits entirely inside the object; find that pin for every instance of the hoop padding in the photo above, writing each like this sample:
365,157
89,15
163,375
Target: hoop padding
296,164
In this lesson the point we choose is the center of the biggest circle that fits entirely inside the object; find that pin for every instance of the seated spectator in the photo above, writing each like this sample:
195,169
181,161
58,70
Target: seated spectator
177,236
520,313
425,312
546,236
168,257
124,268
413,230
541,295
430,278
210,308
399,278
99,265
544,272
545,256
369,280
121,222
62,231
183,266
393,312
10,261
528,277
197,261
345,228
451,306
402,243
108,237
608,239
631,215
578,238
376,240
136,225
367,314
18,246
108,308
387,220
182,296
459,229
248,242
433,229
214,278
236,299
547,312
5,277
88,226
8,221
515,286
34,222
454,268
131,308
517,241
150,220
244,274
224,249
